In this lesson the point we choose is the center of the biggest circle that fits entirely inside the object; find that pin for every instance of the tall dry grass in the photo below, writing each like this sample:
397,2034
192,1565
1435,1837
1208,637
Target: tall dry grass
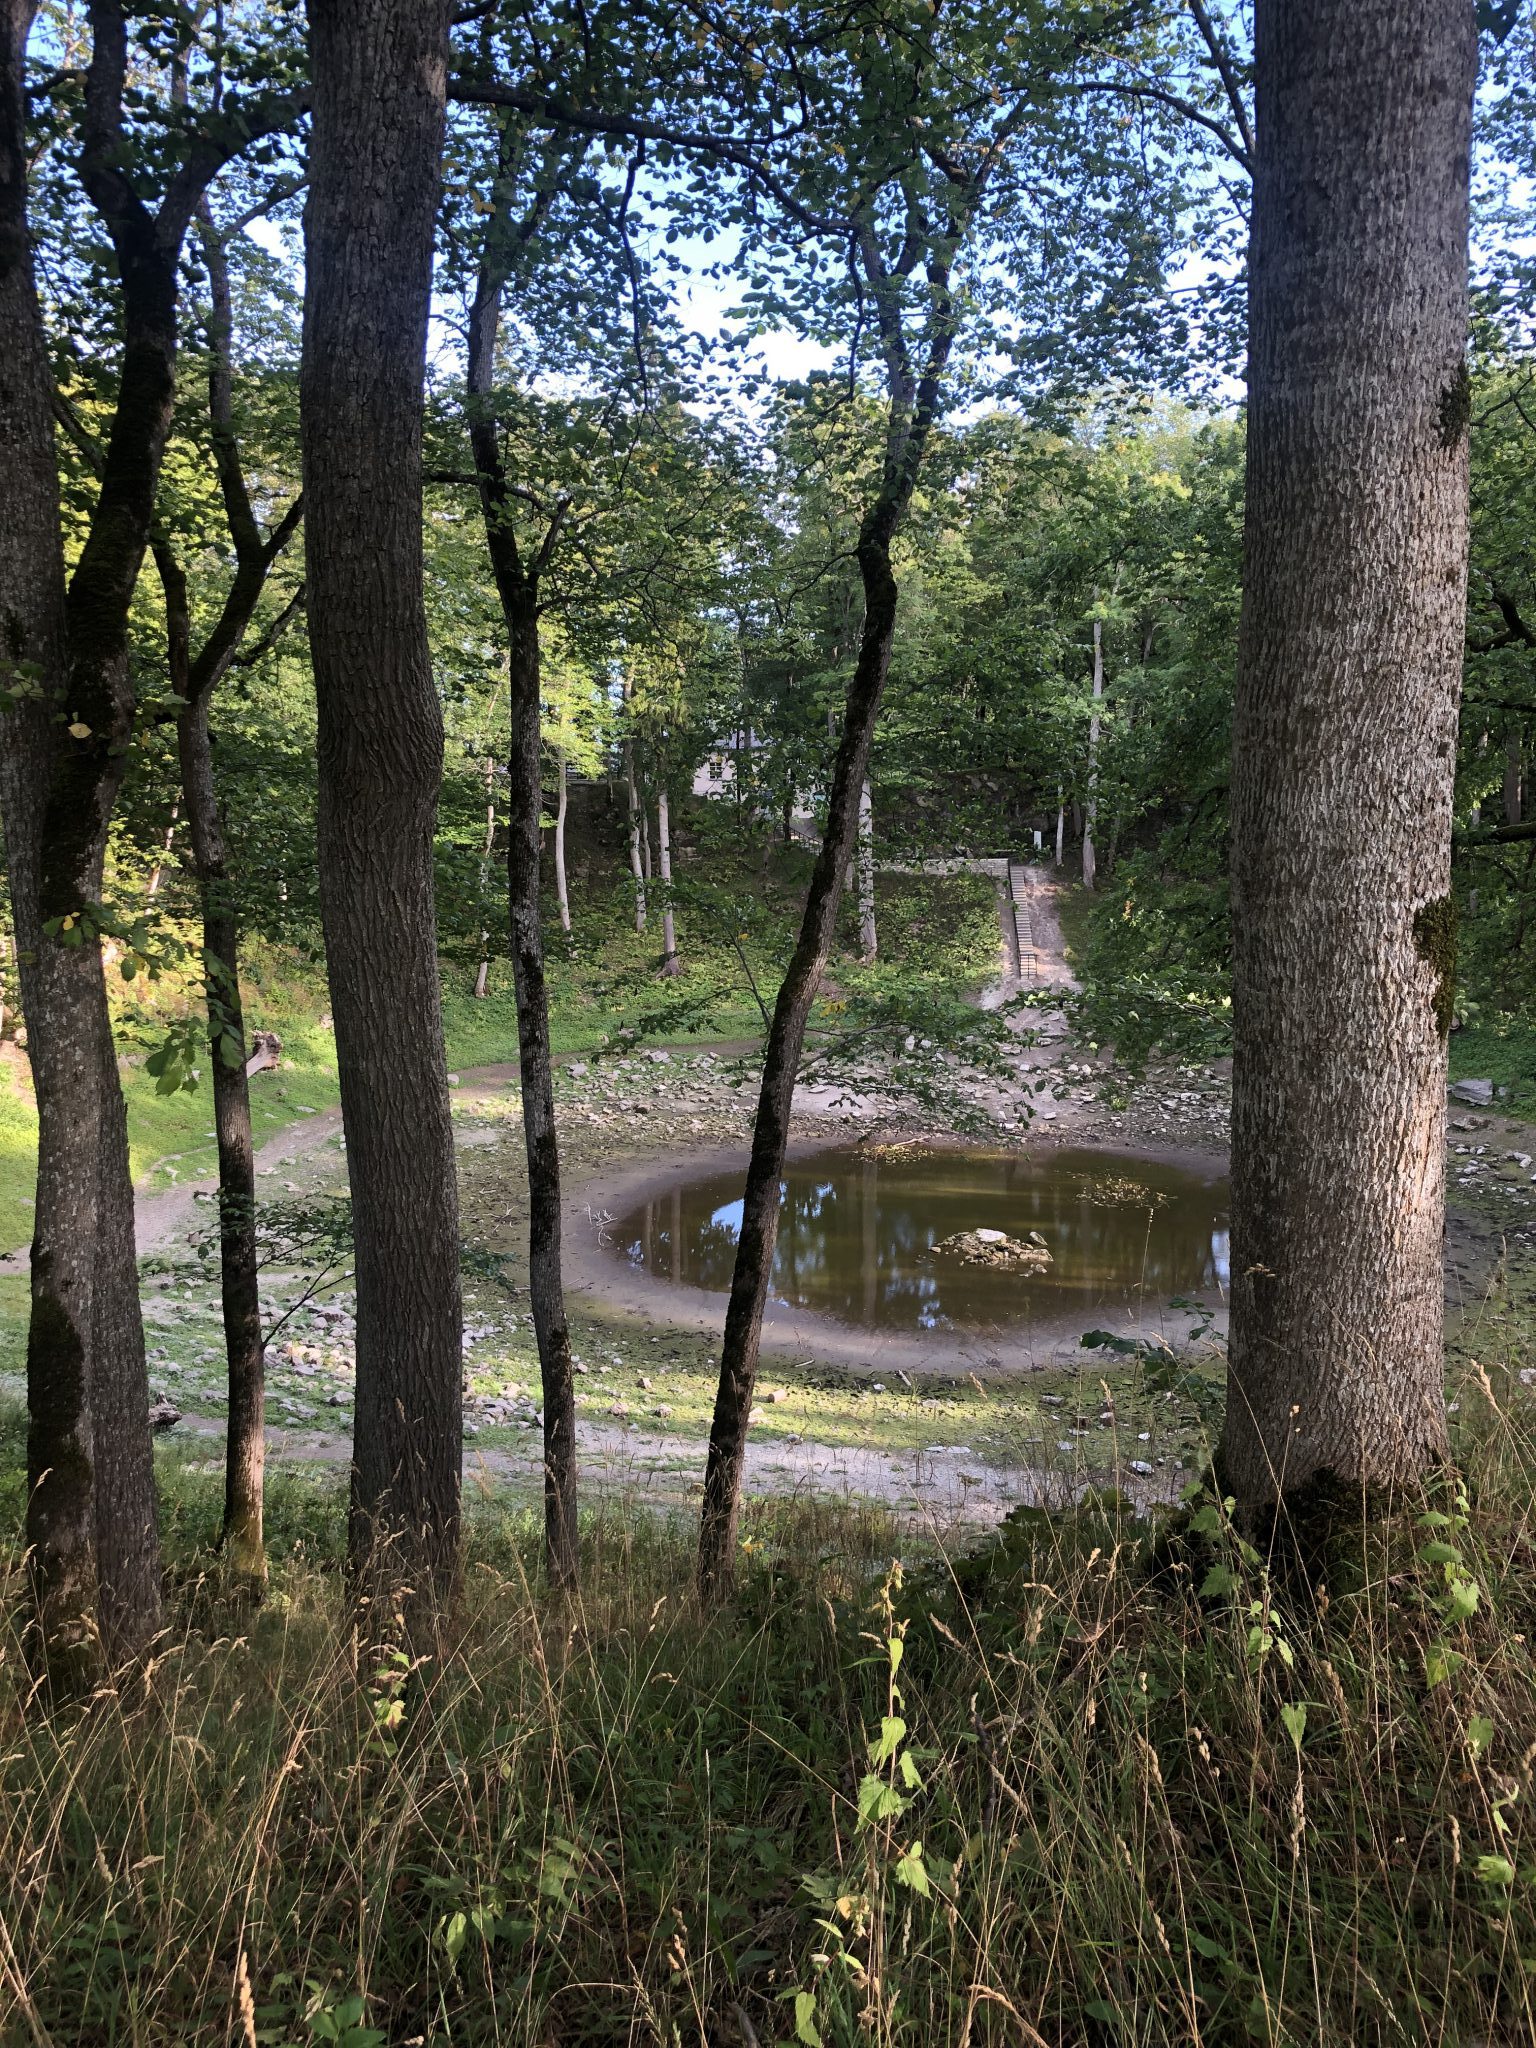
1080,1786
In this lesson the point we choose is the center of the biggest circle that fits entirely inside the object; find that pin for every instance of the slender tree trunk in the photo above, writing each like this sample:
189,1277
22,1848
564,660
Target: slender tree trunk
869,941
781,1062
517,587
193,681
152,887
245,1444
1091,814
562,884
483,971
1514,776
536,1069
1061,826
636,864
379,81
1344,751
670,964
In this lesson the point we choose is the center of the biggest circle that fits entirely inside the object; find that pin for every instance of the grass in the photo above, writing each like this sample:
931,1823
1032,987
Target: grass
1109,1790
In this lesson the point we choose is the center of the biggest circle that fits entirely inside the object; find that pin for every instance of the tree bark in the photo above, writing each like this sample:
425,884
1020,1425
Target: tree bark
1344,750
483,971
379,81
670,964
152,886
1061,826
912,404
781,1062
1514,776
869,941
636,865
194,682
1091,812
562,886
517,587
91,1516
60,1446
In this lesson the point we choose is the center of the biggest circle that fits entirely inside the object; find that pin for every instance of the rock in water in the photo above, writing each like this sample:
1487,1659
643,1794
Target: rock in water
995,1249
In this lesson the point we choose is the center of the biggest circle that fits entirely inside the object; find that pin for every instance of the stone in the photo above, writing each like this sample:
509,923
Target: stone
994,1248
1477,1092
163,1414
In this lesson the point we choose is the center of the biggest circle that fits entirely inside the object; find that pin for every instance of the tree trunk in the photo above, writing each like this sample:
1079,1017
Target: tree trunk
1514,778
60,1445
670,964
1344,751
193,681
1091,814
379,81
91,1516
152,887
245,1443
636,865
536,1070
781,1062
562,884
868,937
483,971
517,587
1061,826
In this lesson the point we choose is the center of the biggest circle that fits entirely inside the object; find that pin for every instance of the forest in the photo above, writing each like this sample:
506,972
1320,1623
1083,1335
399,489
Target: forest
767,1023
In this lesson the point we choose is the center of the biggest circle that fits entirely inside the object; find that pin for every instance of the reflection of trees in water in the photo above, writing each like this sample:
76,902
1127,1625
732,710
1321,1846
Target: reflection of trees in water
856,1232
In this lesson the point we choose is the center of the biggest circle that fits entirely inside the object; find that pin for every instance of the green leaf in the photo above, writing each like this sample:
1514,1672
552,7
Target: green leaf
805,2019
1441,1663
1295,1722
1440,1553
1495,1870
879,1801
1218,1580
913,1872
892,1729
1479,1733
1461,1599
451,1933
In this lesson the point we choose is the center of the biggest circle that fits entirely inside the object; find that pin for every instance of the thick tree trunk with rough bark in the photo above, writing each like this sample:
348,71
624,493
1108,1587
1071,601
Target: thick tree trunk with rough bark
379,82
91,1520
1345,748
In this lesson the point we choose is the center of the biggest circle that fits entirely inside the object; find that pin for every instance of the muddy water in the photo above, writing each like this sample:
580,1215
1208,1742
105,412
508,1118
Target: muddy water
857,1232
